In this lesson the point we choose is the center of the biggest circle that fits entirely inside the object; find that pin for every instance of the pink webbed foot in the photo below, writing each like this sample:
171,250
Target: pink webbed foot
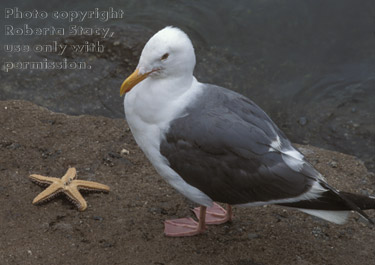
186,226
182,227
216,214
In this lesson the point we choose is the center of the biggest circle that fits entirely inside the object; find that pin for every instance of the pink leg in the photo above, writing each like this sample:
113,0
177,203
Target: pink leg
216,214
186,226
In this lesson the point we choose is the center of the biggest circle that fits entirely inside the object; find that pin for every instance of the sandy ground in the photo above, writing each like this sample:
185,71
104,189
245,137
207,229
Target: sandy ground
125,226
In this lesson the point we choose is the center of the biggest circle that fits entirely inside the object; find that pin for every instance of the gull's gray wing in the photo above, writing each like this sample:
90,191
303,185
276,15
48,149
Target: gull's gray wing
227,147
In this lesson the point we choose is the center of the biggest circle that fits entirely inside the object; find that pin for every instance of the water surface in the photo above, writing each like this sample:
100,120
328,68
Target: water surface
309,64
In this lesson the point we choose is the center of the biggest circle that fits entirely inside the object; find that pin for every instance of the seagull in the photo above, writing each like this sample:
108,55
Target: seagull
214,145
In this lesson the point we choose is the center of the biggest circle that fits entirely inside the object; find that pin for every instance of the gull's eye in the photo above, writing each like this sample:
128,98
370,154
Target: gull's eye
165,56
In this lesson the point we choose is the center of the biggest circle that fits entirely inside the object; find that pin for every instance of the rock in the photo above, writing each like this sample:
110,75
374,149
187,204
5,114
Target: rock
124,152
14,146
333,164
97,218
252,236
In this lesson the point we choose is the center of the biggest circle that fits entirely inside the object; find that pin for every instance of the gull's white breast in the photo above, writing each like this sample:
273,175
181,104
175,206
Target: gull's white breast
149,109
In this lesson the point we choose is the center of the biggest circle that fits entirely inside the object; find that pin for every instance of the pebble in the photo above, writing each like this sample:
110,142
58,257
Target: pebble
252,236
124,152
333,164
318,232
98,218
14,146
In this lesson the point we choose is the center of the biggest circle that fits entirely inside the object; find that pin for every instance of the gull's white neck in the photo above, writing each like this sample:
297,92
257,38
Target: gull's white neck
158,100
153,103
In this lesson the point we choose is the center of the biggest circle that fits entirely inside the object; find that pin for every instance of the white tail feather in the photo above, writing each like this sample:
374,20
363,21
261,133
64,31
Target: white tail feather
337,217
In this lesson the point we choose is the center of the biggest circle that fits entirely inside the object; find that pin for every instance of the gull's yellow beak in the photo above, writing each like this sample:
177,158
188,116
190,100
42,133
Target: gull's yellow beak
131,81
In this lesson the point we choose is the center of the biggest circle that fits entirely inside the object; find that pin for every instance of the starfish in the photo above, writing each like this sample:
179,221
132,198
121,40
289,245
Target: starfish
69,185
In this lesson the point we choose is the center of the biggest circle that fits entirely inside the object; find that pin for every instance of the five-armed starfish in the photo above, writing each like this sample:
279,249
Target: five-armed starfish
68,185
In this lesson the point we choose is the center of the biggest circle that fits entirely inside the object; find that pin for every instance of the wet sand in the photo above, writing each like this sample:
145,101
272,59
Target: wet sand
125,226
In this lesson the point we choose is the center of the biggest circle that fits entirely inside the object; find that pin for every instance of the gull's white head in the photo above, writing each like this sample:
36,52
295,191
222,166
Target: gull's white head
168,54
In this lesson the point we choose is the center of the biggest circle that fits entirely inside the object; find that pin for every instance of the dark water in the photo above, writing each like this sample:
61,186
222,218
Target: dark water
309,64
